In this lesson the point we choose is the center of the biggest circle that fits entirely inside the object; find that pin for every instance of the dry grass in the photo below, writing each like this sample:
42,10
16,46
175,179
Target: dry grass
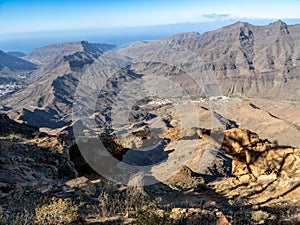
120,203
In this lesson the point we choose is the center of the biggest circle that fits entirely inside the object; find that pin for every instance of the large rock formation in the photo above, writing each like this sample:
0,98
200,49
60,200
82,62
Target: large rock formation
255,156
266,172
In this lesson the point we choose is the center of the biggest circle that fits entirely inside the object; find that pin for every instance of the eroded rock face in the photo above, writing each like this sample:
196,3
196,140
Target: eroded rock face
28,157
266,172
271,177
28,162
255,156
279,160
239,168
236,141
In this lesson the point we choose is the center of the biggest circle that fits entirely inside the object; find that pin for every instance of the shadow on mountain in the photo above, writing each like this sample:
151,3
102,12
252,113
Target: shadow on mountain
42,118
148,156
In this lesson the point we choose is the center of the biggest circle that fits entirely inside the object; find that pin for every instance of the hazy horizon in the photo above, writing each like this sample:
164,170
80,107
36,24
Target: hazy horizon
31,24
27,42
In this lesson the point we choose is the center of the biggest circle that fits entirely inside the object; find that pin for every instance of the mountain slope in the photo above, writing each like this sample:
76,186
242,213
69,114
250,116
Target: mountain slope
246,48
13,63
49,96
16,54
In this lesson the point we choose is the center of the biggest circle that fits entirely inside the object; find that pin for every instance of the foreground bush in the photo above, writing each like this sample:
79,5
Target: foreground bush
58,211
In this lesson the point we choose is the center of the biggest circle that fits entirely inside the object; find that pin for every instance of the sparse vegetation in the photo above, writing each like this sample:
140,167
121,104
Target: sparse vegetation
259,216
151,214
275,143
150,217
57,212
113,202
201,186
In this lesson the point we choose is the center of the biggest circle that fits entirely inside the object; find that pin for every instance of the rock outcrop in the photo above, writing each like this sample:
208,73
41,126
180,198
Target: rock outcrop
267,172
185,178
255,156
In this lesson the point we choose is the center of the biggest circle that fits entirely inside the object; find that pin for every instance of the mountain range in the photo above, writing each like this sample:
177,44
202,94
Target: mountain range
239,60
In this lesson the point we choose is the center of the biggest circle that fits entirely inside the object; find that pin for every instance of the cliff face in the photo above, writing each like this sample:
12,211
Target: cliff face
242,48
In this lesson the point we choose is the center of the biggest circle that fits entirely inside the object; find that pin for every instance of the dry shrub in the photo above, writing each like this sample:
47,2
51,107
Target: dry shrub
58,211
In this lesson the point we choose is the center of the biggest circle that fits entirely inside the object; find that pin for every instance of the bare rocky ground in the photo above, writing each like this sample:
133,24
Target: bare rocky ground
44,180
276,120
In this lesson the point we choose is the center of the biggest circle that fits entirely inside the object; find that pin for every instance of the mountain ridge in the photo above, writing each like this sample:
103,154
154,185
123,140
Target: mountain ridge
53,53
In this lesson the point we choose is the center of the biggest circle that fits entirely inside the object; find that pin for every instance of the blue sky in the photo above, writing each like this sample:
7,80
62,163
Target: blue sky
30,15
21,19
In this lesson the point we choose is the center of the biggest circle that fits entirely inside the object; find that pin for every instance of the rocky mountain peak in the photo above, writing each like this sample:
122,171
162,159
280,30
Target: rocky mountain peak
234,27
184,37
279,23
